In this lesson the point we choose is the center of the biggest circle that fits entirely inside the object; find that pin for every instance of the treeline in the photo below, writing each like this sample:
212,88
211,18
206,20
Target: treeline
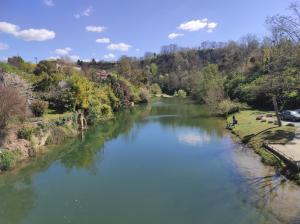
59,86
259,72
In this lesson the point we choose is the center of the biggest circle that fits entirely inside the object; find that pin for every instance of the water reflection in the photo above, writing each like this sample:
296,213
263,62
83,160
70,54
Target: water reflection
194,139
248,185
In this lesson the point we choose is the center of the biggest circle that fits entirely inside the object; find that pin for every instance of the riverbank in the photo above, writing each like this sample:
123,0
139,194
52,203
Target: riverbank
23,141
256,128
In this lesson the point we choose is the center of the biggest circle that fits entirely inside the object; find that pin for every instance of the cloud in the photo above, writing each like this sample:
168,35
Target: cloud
194,25
103,40
63,51
87,12
137,50
119,47
53,58
194,139
96,29
3,46
36,35
9,28
109,56
48,3
172,36
211,26
27,35
74,58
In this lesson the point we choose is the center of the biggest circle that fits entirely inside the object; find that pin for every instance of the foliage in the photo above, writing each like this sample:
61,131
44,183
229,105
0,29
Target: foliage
256,133
62,100
144,96
8,159
38,107
180,93
226,107
44,66
12,104
155,89
25,133
82,89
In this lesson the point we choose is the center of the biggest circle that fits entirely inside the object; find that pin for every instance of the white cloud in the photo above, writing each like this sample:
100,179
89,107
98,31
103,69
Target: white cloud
53,58
63,51
27,35
86,12
36,35
103,40
211,26
194,138
119,47
3,46
97,29
137,50
9,28
172,36
48,2
109,56
74,58
194,25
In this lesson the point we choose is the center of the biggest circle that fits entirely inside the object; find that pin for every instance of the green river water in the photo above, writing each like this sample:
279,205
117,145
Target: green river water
168,162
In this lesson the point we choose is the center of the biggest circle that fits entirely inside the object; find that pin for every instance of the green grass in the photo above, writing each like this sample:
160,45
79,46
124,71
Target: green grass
52,115
255,133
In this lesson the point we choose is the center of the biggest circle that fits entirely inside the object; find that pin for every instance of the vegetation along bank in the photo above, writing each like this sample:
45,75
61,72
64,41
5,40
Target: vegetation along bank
49,101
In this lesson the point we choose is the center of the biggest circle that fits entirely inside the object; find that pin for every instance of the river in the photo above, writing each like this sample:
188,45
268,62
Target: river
167,162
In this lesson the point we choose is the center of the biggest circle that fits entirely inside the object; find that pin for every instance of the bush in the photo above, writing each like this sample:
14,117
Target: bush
226,107
181,93
8,159
144,96
25,133
63,100
11,104
155,89
39,107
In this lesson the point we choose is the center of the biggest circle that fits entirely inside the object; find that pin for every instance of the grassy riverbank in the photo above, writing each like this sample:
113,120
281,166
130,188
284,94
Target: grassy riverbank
255,133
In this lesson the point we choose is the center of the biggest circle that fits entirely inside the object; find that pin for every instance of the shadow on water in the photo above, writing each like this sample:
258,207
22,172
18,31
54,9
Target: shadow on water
268,189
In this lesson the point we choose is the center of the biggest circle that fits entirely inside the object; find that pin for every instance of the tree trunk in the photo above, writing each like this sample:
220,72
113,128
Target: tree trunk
274,99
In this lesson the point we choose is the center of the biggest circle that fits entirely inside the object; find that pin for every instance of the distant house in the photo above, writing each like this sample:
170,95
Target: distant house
102,74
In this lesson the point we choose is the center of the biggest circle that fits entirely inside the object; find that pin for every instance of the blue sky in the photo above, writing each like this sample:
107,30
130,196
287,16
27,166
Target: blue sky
52,28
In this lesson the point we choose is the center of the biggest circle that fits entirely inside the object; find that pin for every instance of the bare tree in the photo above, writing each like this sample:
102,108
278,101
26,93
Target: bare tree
286,26
11,104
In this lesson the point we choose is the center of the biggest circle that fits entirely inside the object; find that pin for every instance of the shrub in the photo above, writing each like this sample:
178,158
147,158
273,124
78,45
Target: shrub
8,159
144,96
11,104
181,93
25,133
226,107
155,89
290,125
63,100
39,107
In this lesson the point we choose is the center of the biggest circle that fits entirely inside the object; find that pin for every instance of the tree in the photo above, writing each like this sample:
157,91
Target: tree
211,87
283,26
12,104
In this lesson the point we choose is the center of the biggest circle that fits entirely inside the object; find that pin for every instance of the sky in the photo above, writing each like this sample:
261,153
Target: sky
108,29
